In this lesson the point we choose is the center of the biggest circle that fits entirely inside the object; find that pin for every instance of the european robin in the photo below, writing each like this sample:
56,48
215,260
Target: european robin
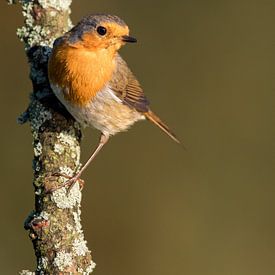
94,83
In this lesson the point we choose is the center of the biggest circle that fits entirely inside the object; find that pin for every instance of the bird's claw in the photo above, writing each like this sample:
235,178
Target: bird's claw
69,183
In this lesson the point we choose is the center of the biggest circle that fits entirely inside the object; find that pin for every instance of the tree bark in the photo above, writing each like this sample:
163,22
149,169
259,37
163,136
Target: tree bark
54,226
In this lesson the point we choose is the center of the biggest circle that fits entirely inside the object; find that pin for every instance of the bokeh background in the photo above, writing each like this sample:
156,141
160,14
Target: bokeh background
149,206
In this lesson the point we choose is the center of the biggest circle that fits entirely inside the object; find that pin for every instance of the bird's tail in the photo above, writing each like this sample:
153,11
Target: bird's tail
157,121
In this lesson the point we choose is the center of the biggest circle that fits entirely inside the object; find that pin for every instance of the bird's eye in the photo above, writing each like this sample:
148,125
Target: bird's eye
101,30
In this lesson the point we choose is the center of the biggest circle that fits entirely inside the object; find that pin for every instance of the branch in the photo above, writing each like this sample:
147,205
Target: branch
54,226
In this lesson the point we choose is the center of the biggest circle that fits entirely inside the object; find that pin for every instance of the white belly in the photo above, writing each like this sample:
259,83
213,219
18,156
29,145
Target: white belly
105,112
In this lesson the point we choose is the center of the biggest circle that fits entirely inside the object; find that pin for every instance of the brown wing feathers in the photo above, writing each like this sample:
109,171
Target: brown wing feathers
130,92
134,96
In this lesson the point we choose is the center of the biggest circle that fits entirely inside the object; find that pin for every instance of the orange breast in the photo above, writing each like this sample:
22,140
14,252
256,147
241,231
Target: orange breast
81,73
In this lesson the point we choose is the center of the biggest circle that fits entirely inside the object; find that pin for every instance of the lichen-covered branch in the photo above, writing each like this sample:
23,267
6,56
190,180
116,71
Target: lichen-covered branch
54,225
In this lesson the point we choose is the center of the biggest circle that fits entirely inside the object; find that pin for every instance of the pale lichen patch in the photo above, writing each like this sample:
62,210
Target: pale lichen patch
39,181
36,166
26,272
35,134
56,4
59,149
90,268
38,115
57,245
42,263
44,215
37,148
41,34
65,170
69,227
38,192
33,34
76,153
77,221
79,246
76,157
63,260
67,200
67,138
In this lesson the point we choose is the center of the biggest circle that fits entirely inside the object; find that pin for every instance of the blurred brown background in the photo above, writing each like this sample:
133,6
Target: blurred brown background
150,207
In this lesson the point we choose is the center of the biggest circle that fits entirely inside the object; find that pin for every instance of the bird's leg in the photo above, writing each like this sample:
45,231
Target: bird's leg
72,180
103,140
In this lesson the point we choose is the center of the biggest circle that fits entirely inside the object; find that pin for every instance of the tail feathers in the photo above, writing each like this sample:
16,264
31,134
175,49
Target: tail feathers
157,121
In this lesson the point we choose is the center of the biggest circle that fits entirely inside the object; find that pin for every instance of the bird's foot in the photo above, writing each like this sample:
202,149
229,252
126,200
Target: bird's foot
69,183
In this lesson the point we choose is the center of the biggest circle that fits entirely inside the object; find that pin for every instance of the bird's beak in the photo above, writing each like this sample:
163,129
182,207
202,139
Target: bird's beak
127,38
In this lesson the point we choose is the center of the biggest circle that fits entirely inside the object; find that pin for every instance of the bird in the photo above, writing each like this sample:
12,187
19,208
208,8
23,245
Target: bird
95,84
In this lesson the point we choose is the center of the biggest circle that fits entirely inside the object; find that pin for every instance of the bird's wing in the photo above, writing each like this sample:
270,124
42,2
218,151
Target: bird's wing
127,88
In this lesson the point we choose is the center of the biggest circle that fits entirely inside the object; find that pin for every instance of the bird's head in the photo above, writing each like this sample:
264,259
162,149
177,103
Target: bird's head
100,31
